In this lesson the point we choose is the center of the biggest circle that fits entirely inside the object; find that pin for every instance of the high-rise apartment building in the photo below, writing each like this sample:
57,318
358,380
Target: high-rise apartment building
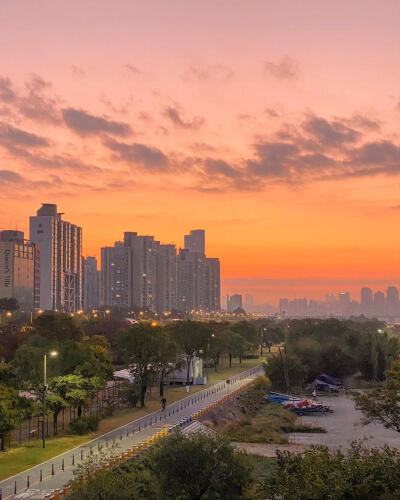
379,304
116,276
166,278
191,281
344,302
366,301
90,283
196,241
213,285
392,301
60,247
235,302
19,268
144,269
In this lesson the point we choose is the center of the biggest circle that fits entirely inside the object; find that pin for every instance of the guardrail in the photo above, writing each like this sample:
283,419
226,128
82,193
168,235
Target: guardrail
69,459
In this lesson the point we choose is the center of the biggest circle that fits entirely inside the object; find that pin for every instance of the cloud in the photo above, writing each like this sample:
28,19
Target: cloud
139,154
133,69
364,123
33,103
286,68
384,154
271,112
330,133
221,168
12,137
7,176
7,93
77,71
208,72
175,117
84,123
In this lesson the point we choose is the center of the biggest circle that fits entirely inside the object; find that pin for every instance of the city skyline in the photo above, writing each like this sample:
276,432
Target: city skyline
261,125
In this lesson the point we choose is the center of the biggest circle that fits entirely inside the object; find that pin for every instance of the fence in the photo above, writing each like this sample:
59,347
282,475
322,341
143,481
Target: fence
64,463
107,399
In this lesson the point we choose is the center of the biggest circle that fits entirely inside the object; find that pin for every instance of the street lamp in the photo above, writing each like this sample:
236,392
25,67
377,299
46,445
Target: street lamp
52,354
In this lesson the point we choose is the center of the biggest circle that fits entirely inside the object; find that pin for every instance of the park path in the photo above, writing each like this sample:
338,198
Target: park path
42,479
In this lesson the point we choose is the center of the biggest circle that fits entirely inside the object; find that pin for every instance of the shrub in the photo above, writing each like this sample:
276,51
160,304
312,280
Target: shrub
84,425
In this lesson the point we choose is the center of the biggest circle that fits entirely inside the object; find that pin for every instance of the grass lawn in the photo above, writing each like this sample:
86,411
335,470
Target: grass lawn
23,457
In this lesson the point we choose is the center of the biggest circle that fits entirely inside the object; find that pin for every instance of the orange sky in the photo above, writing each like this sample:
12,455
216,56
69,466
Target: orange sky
273,125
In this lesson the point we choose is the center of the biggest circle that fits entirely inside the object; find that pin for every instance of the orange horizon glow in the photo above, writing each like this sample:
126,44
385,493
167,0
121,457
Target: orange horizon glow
272,125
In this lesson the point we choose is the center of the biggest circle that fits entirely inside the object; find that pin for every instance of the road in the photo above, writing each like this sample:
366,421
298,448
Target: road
42,479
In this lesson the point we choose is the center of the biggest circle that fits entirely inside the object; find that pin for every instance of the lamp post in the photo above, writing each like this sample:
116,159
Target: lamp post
52,354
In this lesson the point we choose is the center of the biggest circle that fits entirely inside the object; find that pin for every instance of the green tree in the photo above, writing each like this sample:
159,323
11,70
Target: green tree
200,467
10,412
167,360
247,331
179,468
139,346
358,474
74,389
383,405
192,338
275,371
55,326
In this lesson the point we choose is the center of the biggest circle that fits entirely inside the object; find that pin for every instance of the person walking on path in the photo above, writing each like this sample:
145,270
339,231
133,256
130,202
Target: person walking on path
187,388
314,394
163,404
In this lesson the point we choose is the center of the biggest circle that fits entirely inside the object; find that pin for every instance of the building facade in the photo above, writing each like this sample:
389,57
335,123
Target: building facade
116,276
19,266
90,283
196,241
213,285
60,244
143,269
166,278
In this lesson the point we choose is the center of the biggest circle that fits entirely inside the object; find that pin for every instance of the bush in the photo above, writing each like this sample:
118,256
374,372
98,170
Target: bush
250,356
356,474
177,468
84,425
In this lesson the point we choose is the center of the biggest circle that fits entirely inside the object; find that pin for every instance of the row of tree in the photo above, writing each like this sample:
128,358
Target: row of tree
339,348
87,355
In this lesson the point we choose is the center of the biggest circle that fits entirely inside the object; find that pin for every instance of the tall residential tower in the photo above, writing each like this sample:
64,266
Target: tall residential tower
60,247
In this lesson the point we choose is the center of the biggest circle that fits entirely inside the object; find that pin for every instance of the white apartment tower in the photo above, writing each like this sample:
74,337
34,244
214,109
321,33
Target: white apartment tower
60,247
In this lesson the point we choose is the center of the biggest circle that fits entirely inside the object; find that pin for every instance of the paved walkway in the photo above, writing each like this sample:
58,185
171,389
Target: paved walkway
40,480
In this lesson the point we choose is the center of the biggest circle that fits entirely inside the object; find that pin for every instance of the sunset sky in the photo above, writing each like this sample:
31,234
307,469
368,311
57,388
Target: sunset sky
272,124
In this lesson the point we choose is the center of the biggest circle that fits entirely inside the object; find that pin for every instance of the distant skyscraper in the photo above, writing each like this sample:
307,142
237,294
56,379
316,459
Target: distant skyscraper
90,283
235,302
392,301
213,285
344,302
283,306
167,277
18,269
366,301
191,281
379,303
116,276
195,241
248,302
60,246
144,270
